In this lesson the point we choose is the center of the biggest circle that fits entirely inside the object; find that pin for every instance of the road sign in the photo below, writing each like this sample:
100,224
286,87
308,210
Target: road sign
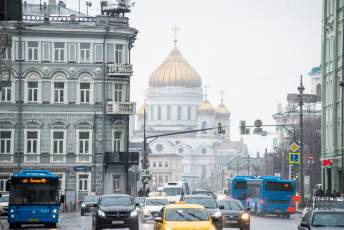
294,158
82,168
294,147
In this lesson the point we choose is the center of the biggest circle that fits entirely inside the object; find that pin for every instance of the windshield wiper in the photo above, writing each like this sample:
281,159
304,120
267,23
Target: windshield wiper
182,215
193,215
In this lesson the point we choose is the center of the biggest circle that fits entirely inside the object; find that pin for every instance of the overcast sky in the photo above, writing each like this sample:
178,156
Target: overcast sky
254,49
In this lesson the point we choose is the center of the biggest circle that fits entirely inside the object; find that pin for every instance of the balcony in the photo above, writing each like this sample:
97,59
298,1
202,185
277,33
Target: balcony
119,69
127,108
128,158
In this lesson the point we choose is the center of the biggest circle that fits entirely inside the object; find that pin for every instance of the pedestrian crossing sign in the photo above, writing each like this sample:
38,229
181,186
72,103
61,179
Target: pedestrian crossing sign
294,158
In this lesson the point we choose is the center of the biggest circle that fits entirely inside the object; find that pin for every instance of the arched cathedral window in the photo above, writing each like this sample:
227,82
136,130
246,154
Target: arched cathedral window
189,112
204,126
168,114
159,112
179,113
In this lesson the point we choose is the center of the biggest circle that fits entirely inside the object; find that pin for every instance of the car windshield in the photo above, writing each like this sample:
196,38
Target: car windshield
207,193
328,219
108,201
230,205
206,202
172,191
4,198
91,199
156,202
186,214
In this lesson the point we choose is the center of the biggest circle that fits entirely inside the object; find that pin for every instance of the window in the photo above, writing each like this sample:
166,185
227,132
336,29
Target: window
166,179
3,184
58,142
179,114
32,50
159,112
85,90
5,141
32,142
168,112
83,182
118,92
119,54
84,142
18,54
204,126
116,182
189,112
59,92
6,91
166,164
117,141
32,91
7,54
160,164
110,53
45,52
98,53
85,50
59,48
72,52
61,181
154,164
161,178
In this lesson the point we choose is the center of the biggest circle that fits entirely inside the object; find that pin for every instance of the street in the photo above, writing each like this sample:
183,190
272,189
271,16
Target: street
73,221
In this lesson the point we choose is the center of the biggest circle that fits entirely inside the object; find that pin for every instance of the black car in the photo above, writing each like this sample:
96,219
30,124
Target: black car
322,219
210,204
234,214
88,203
115,211
203,192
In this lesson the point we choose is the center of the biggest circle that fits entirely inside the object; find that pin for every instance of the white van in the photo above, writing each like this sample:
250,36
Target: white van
175,190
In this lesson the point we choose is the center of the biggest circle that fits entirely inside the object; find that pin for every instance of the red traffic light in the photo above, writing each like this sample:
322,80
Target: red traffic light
327,162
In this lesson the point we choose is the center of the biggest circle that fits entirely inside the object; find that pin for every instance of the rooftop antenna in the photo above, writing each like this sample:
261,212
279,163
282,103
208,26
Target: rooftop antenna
175,30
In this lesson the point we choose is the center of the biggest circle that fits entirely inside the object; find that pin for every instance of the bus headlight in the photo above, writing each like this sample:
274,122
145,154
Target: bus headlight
217,214
83,205
245,216
12,216
133,213
11,211
54,216
101,213
54,211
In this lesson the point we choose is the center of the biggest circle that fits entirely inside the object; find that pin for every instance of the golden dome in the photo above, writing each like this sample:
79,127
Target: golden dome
140,112
205,108
222,110
175,71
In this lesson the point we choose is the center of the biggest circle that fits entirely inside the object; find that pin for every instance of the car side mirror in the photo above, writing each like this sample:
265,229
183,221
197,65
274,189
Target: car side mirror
158,219
137,204
94,205
62,199
221,207
248,209
305,224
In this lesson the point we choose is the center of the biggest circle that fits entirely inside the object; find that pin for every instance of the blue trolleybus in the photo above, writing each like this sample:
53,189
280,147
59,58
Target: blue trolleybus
271,195
34,198
238,187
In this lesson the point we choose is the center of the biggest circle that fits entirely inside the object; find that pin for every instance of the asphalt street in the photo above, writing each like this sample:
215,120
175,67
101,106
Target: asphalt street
73,221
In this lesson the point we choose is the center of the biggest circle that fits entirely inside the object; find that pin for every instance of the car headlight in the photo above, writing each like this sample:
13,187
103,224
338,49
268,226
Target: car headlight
217,214
245,216
168,228
83,205
133,213
101,213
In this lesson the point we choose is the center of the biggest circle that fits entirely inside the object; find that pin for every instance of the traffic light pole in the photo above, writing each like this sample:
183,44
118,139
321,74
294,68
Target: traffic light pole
145,165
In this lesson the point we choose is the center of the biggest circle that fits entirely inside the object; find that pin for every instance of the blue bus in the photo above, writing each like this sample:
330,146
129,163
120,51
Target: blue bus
238,187
34,198
271,195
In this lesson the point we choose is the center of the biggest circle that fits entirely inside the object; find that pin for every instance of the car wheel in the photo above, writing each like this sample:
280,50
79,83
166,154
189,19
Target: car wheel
82,213
14,226
134,227
51,225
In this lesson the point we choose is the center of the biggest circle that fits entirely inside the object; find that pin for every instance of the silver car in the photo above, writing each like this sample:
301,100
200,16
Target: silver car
4,205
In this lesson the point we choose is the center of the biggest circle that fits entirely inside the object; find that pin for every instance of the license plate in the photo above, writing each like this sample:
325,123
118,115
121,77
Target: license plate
117,222
231,221
33,220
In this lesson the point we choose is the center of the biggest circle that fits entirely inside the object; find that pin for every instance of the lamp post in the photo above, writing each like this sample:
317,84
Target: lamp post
341,84
88,4
301,89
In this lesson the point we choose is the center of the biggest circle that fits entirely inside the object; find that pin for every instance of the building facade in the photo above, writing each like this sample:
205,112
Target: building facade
176,102
331,75
65,101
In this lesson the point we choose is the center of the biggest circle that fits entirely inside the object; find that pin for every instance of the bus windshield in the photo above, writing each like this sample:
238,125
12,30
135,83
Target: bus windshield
34,193
172,191
240,185
278,186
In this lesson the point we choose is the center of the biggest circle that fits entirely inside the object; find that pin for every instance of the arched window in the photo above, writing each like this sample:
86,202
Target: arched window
168,114
179,115
159,112
189,112
204,126
318,90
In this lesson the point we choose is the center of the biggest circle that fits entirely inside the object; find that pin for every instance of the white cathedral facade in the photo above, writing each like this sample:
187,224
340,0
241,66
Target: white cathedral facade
175,102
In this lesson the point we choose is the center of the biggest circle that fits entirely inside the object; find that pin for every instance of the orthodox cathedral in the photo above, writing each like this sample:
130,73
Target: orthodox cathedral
175,102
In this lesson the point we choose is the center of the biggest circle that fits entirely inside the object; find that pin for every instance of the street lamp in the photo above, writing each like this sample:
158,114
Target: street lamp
341,84
301,89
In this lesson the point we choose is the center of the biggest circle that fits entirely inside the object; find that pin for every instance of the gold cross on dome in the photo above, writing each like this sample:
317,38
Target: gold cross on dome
175,30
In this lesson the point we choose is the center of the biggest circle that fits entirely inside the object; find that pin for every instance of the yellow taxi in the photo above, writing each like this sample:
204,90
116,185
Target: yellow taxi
183,217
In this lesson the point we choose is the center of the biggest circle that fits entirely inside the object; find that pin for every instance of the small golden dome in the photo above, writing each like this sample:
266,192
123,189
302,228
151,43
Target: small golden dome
205,108
175,71
222,110
140,112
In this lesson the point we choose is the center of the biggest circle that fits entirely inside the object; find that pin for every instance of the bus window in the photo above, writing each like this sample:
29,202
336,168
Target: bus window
253,190
240,185
278,186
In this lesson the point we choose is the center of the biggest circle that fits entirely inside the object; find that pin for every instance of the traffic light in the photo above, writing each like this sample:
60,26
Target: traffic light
146,179
243,129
